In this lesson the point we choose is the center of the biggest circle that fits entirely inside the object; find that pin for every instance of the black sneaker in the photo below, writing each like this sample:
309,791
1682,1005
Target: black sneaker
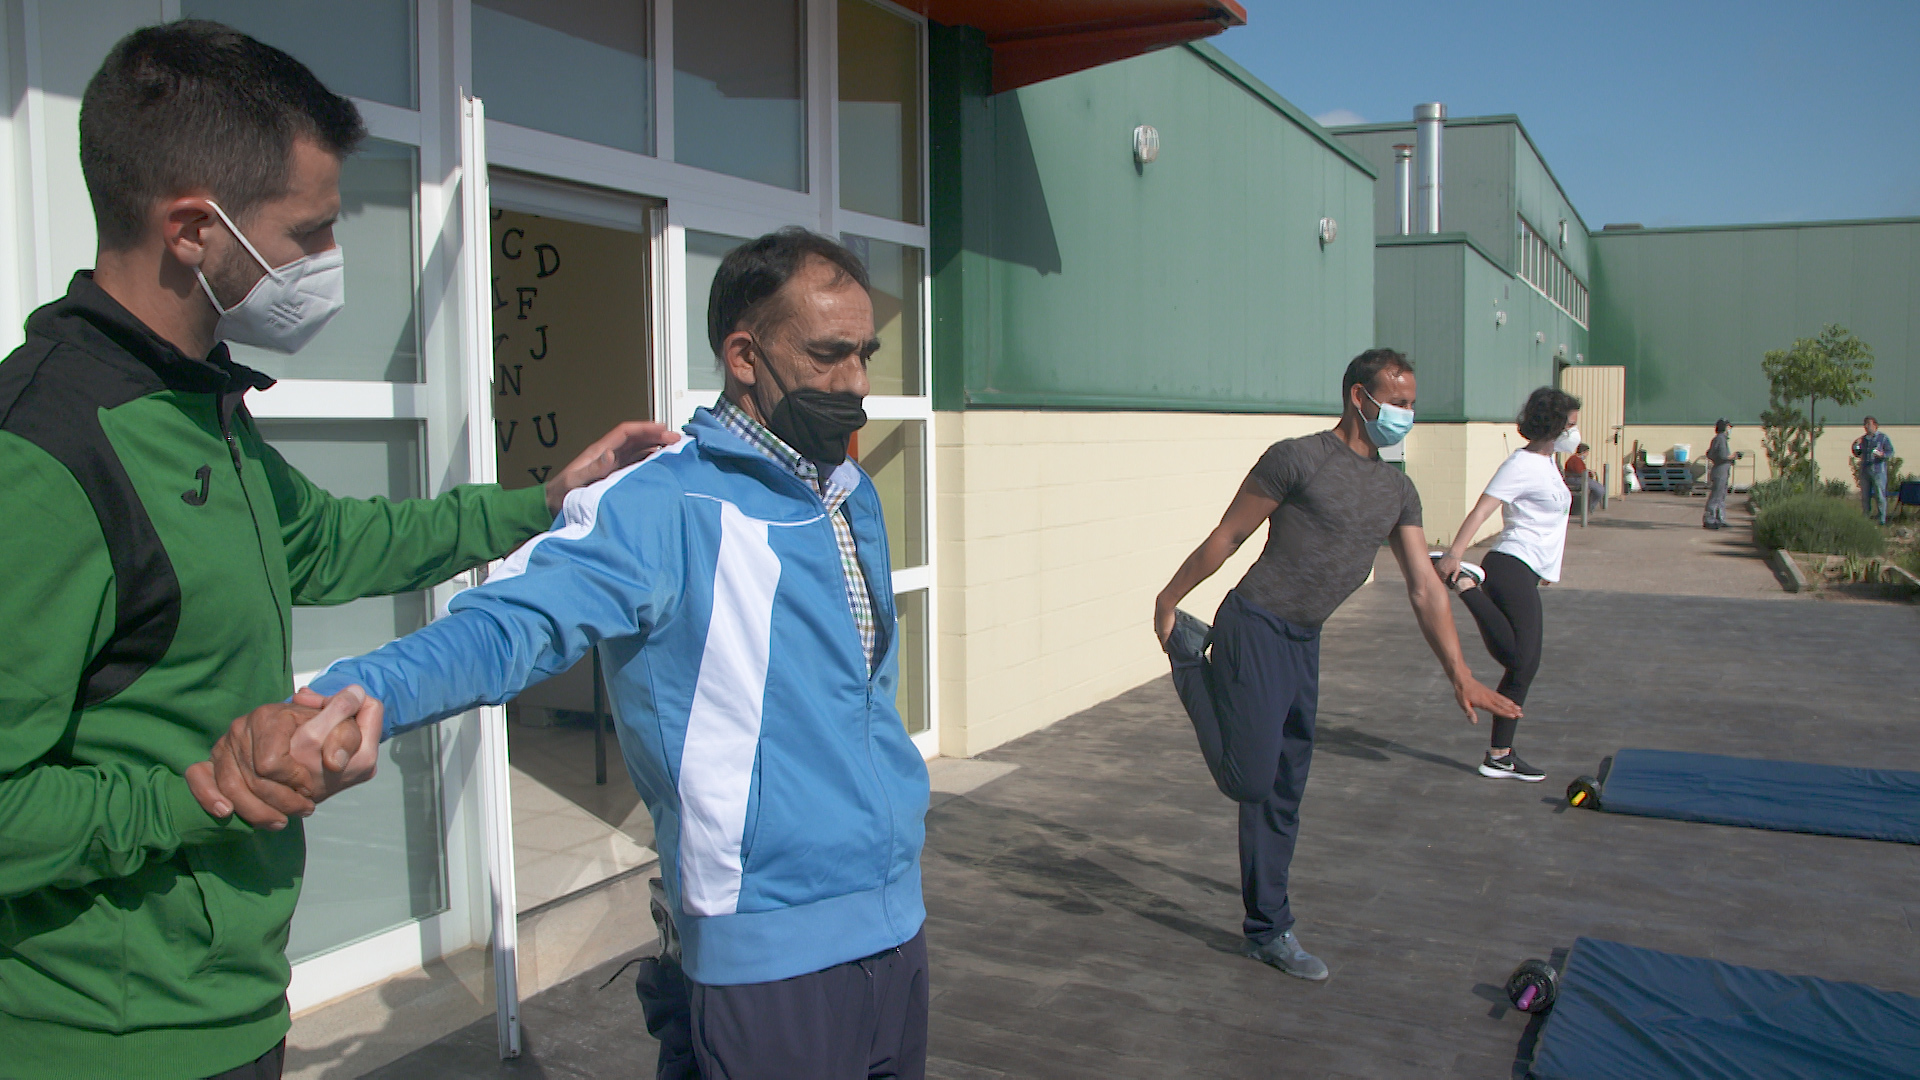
1510,767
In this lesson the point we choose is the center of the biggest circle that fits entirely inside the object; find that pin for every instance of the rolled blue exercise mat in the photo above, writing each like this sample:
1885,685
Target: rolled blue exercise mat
1789,796
1625,1013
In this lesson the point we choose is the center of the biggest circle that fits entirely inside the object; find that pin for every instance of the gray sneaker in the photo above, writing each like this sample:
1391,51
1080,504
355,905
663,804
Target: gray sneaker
1285,953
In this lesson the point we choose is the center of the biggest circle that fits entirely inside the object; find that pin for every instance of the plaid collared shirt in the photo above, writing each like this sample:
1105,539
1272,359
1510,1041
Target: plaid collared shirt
859,595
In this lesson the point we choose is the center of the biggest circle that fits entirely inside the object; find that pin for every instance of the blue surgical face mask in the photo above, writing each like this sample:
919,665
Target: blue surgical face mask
1390,426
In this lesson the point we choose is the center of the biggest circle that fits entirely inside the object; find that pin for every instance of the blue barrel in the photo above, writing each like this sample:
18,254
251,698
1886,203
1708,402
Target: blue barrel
1910,492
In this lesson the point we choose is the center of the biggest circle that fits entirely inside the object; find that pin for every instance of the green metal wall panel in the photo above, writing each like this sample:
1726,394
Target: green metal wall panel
1476,178
1506,362
1490,171
1538,198
1419,305
1690,313
1438,300
1068,276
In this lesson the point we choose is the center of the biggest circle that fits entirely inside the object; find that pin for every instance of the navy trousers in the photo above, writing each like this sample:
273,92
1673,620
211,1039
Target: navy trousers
1252,698
267,1066
862,1020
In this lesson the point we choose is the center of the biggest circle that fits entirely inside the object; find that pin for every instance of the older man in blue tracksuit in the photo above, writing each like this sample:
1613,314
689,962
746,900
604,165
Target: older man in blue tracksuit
737,586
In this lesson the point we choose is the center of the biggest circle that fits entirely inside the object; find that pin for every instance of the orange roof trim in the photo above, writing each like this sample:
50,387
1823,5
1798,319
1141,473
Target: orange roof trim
1034,40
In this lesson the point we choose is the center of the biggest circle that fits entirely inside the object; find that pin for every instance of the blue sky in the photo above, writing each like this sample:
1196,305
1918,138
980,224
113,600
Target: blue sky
1682,112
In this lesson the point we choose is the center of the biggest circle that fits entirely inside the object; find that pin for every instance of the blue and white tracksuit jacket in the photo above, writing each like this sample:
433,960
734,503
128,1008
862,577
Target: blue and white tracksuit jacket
788,802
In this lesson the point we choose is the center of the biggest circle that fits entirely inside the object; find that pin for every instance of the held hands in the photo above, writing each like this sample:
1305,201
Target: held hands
282,759
617,449
1472,695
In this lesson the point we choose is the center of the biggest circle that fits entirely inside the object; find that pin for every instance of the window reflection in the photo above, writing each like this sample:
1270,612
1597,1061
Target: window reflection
879,112
738,83
894,453
361,48
579,68
911,696
704,252
895,370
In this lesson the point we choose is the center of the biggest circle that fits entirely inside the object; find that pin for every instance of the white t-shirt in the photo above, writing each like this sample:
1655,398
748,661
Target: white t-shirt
1537,501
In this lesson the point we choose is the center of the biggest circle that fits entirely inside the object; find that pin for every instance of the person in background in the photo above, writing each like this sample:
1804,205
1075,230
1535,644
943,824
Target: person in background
1580,477
1870,453
1251,683
1504,592
154,547
1720,458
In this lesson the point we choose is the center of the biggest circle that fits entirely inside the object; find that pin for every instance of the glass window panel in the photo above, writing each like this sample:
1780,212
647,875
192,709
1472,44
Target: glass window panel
910,696
375,858
579,68
376,337
894,453
879,112
894,371
353,459
704,252
363,48
739,80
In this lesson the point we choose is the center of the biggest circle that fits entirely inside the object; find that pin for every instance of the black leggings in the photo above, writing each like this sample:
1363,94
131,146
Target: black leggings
1507,607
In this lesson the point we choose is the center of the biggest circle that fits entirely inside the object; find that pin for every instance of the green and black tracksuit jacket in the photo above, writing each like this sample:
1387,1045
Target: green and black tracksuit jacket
153,547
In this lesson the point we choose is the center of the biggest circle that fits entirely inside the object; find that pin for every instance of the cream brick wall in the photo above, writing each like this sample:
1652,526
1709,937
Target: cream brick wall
1451,464
1831,451
1056,531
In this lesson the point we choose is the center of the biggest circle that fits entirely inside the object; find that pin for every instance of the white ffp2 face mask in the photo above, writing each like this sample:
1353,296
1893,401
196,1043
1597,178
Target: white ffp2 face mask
1568,442
287,307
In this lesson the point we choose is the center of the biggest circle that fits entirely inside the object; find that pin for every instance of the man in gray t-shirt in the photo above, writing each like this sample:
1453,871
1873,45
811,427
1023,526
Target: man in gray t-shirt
1251,683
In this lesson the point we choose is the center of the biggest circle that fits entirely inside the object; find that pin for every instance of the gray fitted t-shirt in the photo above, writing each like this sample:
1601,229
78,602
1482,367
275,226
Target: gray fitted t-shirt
1336,509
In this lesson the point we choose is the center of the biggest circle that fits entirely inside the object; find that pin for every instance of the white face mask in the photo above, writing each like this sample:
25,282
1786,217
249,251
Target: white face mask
1568,442
287,307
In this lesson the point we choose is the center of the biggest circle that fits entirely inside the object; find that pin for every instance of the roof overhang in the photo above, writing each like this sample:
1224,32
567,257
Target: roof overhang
1042,39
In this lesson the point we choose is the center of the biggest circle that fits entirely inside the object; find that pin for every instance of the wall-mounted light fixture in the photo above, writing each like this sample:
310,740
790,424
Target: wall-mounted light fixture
1563,232
1561,352
1579,358
1499,318
1539,337
1329,229
1146,145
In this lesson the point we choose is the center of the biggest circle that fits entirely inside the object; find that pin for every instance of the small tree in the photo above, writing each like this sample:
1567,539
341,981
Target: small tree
1833,366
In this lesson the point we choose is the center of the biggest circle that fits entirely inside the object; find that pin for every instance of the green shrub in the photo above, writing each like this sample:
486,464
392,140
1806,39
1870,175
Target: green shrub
1817,523
1765,493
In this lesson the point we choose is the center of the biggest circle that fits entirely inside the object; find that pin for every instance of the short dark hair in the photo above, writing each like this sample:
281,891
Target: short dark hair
1544,416
751,274
1582,448
195,104
1721,425
1370,365
1870,420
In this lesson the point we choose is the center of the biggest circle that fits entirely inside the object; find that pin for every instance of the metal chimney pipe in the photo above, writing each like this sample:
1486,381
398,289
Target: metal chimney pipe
1403,166
1428,121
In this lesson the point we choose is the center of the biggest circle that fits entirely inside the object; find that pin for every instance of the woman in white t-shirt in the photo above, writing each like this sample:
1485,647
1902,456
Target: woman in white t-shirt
1504,593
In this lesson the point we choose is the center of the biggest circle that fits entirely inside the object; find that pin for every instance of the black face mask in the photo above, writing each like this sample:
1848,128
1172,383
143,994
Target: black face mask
817,423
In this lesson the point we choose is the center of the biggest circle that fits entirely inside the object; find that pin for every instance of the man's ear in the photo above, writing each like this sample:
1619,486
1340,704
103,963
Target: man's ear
740,358
184,225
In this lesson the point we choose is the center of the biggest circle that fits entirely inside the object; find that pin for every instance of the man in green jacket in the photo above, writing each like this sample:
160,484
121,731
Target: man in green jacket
154,547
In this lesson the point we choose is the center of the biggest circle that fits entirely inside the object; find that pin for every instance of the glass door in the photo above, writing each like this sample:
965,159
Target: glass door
572,288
